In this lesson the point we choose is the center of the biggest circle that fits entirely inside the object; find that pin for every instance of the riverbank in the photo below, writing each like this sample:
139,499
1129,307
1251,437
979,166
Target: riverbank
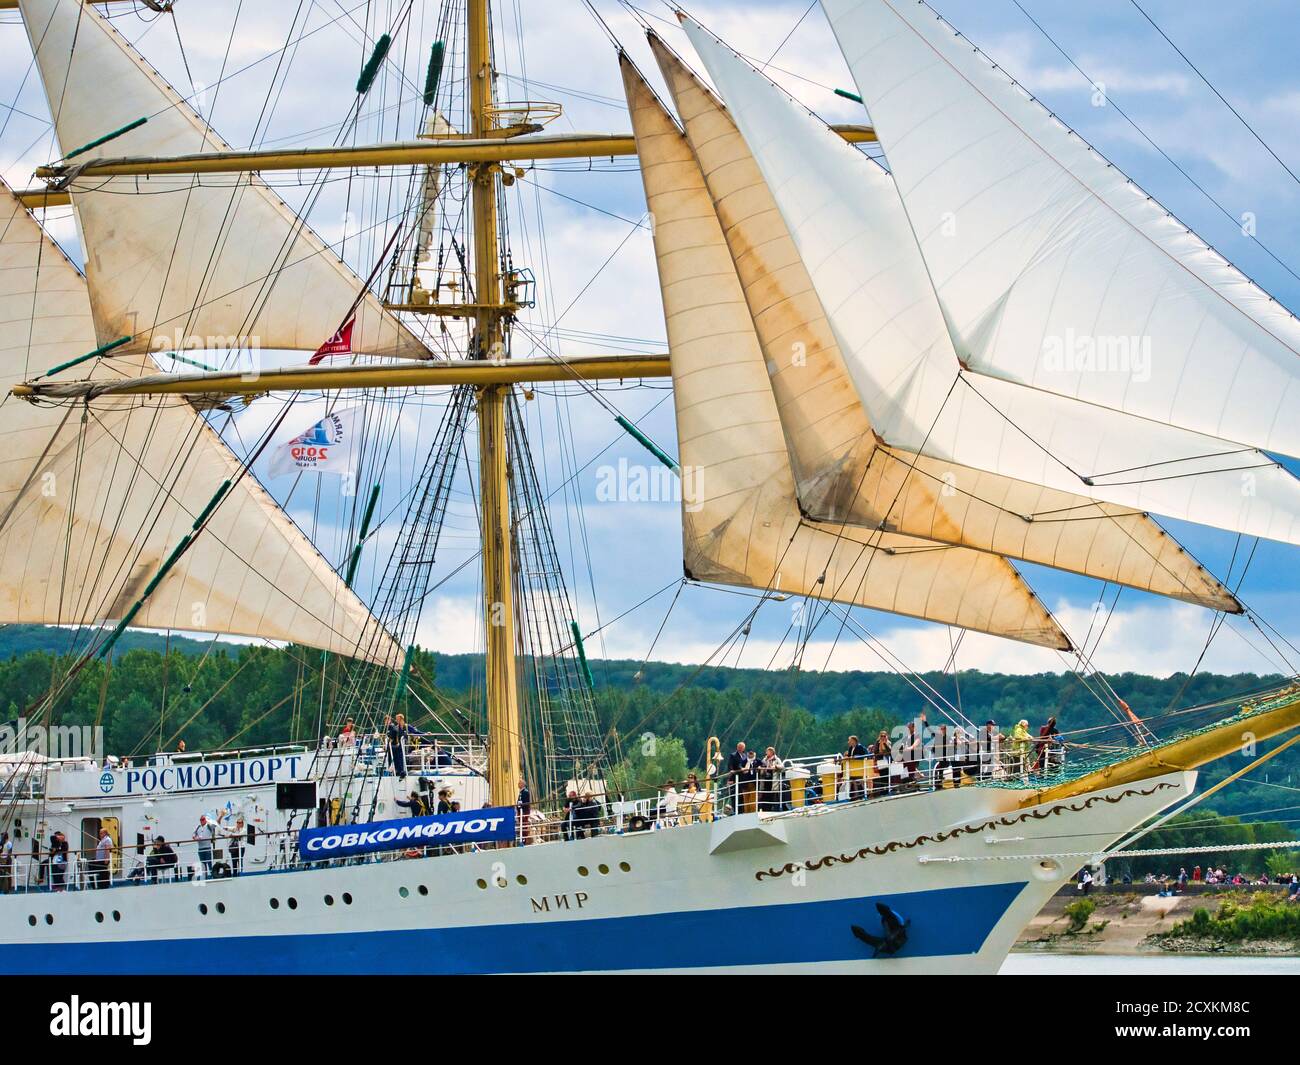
1125,920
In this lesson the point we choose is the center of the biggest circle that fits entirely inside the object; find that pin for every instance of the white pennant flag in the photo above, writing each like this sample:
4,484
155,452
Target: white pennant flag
327,447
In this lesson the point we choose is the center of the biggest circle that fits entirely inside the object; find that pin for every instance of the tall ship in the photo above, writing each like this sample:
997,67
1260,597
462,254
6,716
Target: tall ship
895,361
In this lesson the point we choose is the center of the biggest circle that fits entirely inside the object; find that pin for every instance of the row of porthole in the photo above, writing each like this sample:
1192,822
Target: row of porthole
406,892
49,917
274,903
582,871
603,869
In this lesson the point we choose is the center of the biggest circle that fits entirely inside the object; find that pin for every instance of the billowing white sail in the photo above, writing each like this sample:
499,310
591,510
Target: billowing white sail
741,521
1052,267
853,236
186,265
93,499
842,473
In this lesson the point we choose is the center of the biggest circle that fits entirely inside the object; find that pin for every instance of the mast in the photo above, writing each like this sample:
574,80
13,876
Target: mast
491,322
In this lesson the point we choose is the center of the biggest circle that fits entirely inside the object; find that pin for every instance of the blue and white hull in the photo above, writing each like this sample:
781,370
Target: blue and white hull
753,892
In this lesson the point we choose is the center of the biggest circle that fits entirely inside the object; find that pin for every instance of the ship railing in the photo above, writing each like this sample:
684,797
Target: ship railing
796,783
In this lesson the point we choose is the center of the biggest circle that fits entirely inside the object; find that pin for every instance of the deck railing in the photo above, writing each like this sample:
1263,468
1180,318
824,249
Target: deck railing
791,786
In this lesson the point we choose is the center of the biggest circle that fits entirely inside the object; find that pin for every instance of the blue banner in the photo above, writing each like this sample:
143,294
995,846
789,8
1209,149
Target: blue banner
469,826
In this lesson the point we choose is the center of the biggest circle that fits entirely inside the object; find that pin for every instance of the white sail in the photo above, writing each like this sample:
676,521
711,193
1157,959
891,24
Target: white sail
854,237
842,473
187,264
1052,267
93,499
741,521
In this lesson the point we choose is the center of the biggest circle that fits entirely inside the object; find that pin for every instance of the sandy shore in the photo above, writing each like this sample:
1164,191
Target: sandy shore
1122,924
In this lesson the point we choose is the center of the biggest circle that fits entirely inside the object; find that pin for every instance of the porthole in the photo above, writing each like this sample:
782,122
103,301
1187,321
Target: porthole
481,883
625,867
604,870
329,900
117,916
404,892
583,870
293,903
99,916
31,919
347,899
275,904
221,907
1048,870
203,909
423,889
49,918
521,880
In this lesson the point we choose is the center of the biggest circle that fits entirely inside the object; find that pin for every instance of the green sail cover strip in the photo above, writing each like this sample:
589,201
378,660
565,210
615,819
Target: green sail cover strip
404,678
165,568
582,655
373,64
107,137
434,74
648,444
103,349
362,533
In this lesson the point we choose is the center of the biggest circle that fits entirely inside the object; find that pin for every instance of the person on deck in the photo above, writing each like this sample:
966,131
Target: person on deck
740,767
205,834
400,734
161,862
524,808
235,837
570,815
668,804
590,812
913,750
1048,743
855,767
880,754
103,856
416,804
1020,744
6,864
58,861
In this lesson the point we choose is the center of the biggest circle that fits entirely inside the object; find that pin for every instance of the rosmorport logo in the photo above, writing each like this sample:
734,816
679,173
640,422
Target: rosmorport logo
120,1019
106,782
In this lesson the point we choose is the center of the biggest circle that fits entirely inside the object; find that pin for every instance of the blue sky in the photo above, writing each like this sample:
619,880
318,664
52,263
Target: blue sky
581,232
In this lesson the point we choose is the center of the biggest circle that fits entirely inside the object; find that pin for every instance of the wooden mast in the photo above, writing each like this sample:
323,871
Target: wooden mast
490,341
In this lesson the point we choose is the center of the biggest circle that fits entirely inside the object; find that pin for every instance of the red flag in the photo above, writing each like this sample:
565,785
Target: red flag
339,344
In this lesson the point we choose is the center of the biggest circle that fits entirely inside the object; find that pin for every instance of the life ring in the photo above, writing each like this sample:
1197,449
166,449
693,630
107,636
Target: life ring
221,871
413,852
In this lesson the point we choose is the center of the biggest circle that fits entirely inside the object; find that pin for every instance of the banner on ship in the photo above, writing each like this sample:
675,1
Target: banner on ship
327,447
468,826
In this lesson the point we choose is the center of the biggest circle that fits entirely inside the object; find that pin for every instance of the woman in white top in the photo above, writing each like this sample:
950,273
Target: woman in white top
668,804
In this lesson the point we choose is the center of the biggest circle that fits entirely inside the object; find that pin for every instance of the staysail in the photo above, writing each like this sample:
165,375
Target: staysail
741,521
93,499
852,234
842,472
1053,268
188,265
